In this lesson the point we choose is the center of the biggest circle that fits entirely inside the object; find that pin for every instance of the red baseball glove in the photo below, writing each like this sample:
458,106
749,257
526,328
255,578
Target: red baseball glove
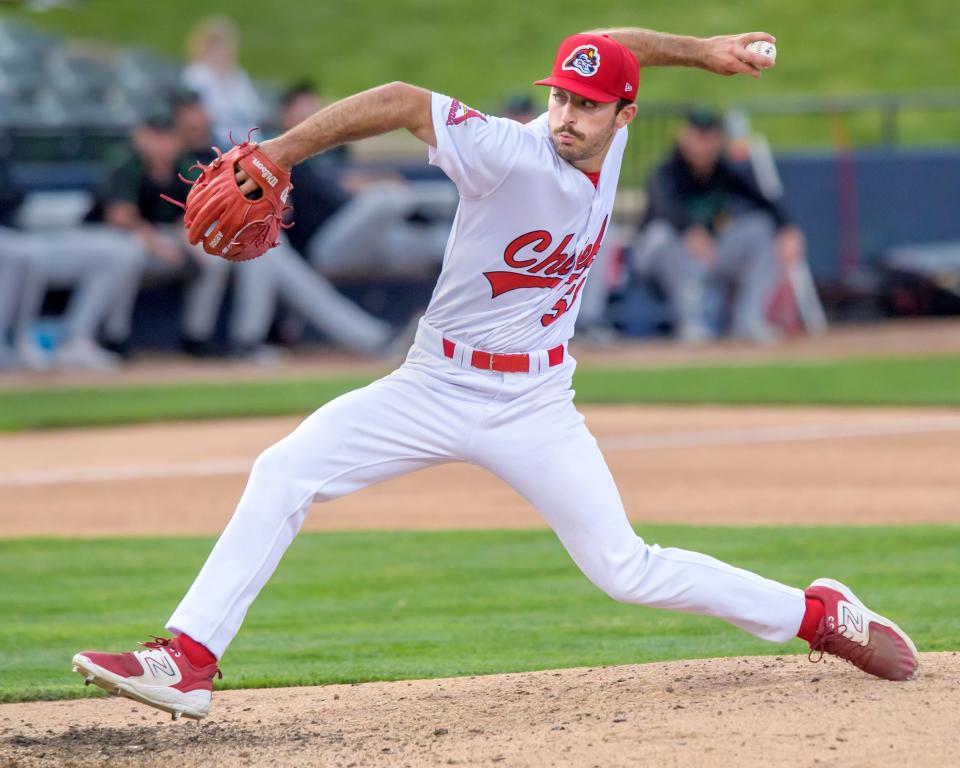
232,226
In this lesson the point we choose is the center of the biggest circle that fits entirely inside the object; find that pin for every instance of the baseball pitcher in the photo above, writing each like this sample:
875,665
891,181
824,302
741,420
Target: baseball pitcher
488,378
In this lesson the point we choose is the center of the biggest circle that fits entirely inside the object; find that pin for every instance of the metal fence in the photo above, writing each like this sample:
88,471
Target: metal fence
841,123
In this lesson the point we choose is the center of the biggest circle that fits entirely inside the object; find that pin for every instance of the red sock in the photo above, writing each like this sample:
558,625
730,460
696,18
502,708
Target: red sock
811,619
197,654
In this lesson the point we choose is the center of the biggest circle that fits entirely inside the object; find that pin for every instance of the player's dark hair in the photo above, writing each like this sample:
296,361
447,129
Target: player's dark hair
297,89
621,104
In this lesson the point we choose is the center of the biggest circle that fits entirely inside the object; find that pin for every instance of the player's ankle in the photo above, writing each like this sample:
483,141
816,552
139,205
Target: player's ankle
811,619
197,654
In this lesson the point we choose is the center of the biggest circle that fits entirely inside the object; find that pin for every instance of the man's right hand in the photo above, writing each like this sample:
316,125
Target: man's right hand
728,55
699,242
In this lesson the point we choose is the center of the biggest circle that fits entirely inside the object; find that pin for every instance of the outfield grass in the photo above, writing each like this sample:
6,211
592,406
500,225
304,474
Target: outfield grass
347,607
895,381
479,51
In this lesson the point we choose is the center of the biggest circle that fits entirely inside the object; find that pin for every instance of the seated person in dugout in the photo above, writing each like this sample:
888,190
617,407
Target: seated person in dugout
344,224
131,201
705,222
94,263
282,277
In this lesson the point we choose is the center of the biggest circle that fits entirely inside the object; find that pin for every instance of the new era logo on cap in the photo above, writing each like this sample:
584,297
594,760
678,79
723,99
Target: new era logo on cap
595,67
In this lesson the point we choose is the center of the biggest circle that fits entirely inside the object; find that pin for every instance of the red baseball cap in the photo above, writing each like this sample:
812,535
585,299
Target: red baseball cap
596,67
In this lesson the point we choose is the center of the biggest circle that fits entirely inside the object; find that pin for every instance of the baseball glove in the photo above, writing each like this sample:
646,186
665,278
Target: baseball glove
230,225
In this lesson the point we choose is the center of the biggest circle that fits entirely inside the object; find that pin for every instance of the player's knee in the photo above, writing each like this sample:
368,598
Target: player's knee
756,224
620,590
621,575
130,260
287,471
272,465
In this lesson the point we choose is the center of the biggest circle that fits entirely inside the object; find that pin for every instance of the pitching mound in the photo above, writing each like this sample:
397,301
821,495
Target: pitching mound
749,711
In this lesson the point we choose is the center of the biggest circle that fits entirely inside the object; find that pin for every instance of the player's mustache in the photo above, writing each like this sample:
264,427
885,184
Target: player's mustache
568,129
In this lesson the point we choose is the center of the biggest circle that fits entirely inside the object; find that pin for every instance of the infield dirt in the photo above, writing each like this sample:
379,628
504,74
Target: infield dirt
709,465
757,711
705,465
760,465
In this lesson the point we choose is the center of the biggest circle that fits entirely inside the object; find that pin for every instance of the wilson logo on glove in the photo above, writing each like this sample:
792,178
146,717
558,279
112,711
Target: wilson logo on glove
265,173
217,213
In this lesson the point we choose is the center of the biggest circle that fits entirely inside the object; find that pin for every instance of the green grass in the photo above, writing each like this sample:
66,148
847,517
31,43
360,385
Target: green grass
76,407
481,51
876,381
347,607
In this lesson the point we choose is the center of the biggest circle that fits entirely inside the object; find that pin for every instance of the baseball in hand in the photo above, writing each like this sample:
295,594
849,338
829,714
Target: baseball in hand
763,48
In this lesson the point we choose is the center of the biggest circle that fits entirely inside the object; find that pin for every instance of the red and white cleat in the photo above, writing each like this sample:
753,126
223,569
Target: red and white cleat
161,676
866,639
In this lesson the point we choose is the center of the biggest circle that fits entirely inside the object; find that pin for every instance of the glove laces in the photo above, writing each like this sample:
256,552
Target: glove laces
213,165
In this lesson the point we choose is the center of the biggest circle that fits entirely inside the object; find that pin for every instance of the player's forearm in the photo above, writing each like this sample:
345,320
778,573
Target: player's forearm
370,113
722,54
659,49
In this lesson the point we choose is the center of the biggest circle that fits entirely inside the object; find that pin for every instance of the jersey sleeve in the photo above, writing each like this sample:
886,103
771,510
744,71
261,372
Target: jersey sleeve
476,151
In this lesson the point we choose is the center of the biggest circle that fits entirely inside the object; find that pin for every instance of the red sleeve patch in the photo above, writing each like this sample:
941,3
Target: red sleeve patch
461,113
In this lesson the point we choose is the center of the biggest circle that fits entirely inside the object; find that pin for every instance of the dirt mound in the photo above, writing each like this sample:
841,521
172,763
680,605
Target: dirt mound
747,711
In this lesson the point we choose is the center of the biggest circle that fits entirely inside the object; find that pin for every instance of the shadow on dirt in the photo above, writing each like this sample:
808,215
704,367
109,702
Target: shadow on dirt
103,745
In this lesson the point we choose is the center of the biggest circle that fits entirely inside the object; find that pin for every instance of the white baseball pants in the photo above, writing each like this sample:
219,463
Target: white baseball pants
525,429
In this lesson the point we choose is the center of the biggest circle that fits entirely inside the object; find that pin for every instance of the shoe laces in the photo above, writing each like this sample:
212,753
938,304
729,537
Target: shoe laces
853,653
167,642
160,642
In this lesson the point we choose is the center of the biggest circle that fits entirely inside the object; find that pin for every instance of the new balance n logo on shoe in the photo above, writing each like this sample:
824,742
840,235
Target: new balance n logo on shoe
160,664
854,621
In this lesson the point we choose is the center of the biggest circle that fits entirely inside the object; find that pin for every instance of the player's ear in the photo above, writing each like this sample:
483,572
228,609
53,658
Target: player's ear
625,116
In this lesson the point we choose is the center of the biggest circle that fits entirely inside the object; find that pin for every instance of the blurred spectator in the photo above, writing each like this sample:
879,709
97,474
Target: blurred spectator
13,270
279,276
224,87
375,230
192,123
282,276
129,201
93,262
706,221
521,107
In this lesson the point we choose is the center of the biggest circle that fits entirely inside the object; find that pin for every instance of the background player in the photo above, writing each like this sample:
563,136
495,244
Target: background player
487,380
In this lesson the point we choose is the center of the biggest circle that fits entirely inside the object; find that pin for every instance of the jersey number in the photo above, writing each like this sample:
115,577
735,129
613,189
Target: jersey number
563,305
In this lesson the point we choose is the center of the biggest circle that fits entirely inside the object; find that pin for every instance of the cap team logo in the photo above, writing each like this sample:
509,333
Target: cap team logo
585,60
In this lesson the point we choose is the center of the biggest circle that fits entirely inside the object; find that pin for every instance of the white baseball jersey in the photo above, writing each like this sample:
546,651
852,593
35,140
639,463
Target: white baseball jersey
527,229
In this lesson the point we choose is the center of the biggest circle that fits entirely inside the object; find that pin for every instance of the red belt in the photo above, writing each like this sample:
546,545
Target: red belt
504,363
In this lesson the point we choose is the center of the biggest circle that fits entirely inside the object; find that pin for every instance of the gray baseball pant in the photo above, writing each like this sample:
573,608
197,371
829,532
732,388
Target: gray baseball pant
746,256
